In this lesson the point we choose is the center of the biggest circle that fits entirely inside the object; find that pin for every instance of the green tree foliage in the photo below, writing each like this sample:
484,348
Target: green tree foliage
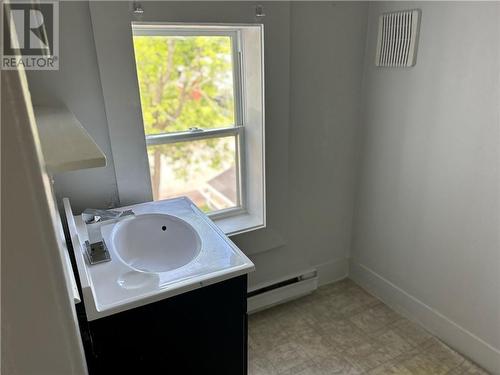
185,82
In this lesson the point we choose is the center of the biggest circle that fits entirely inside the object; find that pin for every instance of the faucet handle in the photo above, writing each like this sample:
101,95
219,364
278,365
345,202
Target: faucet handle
95,246
92,215
127,213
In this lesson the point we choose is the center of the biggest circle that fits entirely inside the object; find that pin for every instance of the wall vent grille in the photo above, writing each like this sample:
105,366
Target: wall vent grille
398,38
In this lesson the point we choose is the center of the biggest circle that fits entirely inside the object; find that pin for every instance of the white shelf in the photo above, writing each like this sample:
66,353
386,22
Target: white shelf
66,145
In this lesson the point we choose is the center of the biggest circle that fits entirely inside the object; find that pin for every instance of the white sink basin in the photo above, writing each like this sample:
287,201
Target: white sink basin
146,263
155,242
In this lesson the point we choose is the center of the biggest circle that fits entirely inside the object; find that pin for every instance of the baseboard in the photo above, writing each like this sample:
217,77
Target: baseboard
325,273
278,294
332,271
441,326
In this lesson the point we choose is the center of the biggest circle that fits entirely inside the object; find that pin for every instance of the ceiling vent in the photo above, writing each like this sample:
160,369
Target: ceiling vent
398,38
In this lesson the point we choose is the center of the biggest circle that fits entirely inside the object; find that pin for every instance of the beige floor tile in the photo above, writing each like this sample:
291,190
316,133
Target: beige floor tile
411,332
439,352
368,355
393,340
429,358
468,368
265,331
341,329
336,364
317,310
424,365
375,318
260,366
317,345
342,333
263,340
390,368
349,303
287,357
304,368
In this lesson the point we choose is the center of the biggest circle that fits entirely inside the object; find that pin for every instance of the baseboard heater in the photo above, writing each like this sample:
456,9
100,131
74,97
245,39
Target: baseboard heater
289,288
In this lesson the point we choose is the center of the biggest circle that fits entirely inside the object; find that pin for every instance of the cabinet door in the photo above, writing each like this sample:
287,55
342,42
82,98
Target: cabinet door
199,332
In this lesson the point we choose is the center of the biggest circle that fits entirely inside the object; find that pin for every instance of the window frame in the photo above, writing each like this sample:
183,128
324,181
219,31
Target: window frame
118,78
238,128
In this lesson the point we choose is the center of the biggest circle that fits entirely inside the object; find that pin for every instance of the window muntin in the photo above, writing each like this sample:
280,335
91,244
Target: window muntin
190,91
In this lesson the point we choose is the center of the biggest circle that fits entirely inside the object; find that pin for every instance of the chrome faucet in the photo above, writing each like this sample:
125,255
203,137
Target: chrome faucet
95,247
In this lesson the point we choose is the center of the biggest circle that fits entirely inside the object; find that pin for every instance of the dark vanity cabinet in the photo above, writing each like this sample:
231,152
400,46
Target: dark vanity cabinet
203,331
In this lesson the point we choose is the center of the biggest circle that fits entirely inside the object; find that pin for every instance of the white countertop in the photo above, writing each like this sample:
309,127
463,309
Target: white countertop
114,286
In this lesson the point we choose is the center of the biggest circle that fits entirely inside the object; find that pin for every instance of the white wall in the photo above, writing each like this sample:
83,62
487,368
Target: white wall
327,47
427,234
77,84
39,329
299,233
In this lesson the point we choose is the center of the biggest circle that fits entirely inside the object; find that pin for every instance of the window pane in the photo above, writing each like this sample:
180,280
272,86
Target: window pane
185,82
204,170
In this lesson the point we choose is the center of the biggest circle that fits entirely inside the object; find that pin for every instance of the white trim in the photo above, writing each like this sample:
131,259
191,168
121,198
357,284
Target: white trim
238,223
254,114
169,29
183,28
435,322
192,135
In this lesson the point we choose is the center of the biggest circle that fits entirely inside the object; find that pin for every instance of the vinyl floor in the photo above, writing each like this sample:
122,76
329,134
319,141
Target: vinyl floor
342,329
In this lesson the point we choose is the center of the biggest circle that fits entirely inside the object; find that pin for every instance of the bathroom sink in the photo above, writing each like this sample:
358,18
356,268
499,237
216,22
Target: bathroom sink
155,242
168,248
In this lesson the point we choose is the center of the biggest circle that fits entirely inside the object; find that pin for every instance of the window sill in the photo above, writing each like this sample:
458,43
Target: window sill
237,224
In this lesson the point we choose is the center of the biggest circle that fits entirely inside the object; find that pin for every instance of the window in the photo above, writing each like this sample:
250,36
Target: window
210,148
190,89
201,95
